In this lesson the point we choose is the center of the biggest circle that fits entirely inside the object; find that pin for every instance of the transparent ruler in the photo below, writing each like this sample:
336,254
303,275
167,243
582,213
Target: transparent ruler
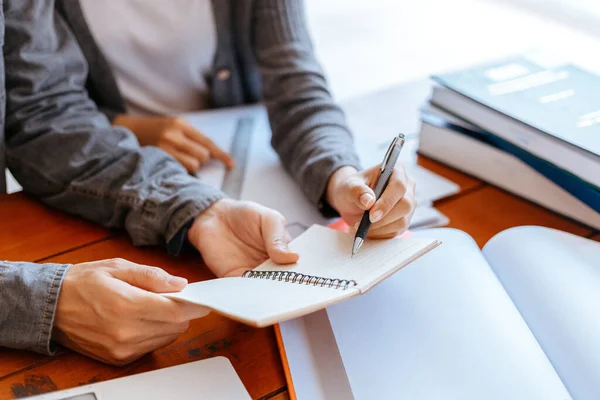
233,182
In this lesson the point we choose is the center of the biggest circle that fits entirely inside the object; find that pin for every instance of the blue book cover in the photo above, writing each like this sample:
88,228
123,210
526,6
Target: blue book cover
552,96
585,192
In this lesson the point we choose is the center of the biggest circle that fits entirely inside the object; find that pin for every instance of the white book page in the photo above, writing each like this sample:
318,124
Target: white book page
326,253
442,329
554,280
260,302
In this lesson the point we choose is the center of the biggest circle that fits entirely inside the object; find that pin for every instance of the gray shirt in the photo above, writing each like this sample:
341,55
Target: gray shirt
65,152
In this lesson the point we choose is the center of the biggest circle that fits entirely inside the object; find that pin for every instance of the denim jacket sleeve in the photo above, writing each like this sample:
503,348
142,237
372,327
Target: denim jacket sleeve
310,133
65,152
28,297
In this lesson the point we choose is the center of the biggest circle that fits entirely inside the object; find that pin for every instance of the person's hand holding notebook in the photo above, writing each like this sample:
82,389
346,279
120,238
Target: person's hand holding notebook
325,274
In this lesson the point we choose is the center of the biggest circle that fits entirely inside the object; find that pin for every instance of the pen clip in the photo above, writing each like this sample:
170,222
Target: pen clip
387,154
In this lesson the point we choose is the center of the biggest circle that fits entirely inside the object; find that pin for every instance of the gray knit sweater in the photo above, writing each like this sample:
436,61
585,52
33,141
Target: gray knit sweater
266,51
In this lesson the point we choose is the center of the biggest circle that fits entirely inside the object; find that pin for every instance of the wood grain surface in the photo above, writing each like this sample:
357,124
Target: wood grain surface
30,231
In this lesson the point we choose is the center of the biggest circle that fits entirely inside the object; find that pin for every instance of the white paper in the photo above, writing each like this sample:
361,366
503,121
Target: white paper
430,186
554,279
442,328
259,302
12,186
313,358
427,217
326,253
267,182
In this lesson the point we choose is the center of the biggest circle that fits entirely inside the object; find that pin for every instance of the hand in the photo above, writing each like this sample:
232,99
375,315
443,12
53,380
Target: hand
349,192
178,138
108,310
234,236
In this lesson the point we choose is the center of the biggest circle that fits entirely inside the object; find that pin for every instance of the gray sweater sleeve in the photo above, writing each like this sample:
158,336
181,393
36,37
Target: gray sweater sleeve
309,130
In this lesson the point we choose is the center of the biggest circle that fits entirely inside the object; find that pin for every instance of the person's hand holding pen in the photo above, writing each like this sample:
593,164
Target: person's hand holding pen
350,193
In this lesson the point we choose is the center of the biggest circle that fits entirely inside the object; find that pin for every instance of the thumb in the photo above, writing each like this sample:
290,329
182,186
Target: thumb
362,195
276,239
152,279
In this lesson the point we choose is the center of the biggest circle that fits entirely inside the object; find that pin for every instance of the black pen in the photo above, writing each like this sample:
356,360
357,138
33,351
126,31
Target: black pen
385,172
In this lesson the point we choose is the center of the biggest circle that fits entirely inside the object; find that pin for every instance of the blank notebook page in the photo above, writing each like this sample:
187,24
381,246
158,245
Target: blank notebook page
327,253
444,328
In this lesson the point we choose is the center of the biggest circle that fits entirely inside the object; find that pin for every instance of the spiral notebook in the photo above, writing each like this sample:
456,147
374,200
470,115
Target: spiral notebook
324,275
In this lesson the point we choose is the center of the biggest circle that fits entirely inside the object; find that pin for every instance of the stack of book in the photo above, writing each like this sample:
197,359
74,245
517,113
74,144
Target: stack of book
529,124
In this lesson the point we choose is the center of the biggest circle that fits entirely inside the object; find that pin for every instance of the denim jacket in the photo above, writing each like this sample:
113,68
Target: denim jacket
65,152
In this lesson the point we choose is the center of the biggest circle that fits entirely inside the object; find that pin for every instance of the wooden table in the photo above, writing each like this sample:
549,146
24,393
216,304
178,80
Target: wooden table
34,233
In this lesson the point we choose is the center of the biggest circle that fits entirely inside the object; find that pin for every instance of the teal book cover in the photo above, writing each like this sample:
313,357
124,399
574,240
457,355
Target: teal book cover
548,94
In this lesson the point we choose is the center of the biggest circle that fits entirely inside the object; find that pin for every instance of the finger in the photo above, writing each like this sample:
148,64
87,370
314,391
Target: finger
152,279
190,163
362,195
195,150
191,311
154,307
183,144
388,236
215,151
275,238
353,220
394,191
235,272
392,229
401,209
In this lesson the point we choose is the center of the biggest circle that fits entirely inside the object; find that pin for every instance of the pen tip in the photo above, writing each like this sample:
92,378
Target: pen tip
357,243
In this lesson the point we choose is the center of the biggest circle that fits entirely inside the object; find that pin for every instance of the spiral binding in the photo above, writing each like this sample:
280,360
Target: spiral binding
296,277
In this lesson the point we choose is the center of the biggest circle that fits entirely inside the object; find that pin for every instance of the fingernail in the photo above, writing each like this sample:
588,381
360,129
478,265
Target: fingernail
366,199
375,216
284,247
177,281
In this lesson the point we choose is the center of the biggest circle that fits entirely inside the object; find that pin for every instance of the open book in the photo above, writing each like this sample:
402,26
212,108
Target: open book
518,320
324,275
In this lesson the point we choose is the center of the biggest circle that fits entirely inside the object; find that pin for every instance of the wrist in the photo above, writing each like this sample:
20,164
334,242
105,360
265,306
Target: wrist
340,176
207,216
123,120
141,127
